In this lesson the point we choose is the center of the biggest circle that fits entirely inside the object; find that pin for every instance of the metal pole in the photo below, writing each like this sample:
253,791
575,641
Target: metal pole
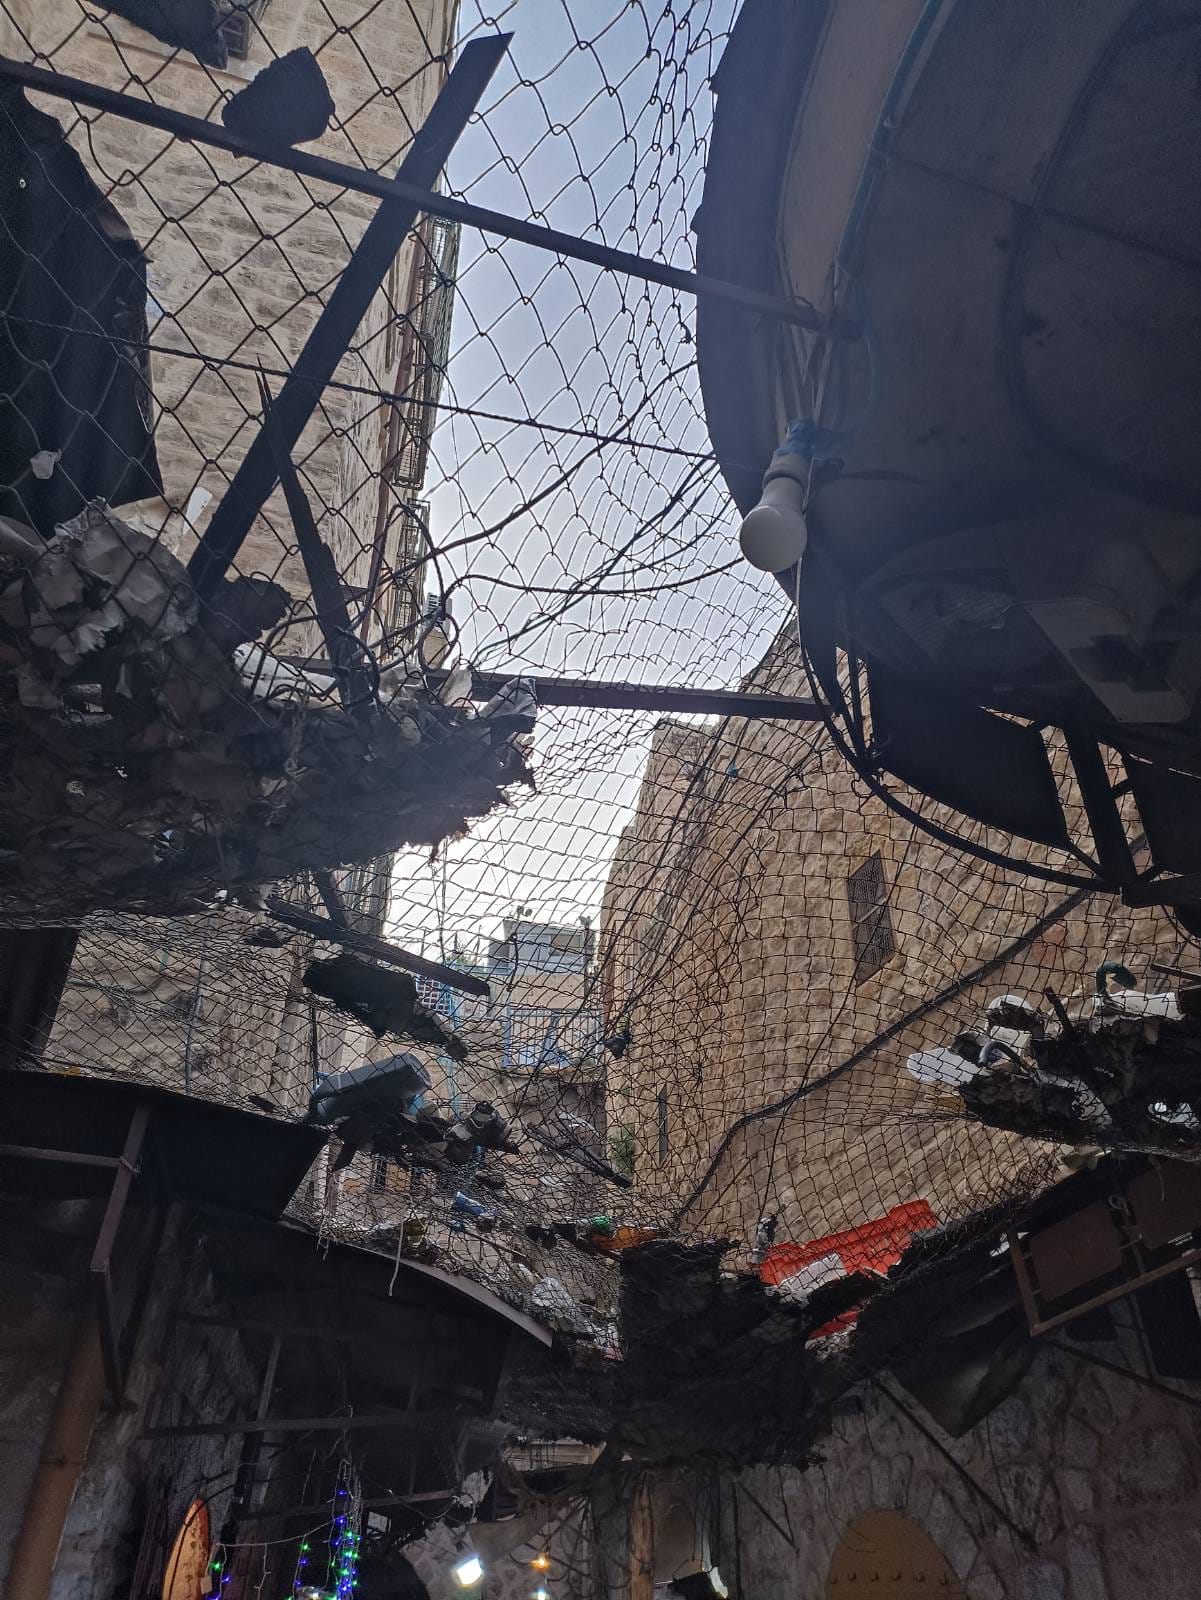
333,330
197,131
367,944
609,696
100,1267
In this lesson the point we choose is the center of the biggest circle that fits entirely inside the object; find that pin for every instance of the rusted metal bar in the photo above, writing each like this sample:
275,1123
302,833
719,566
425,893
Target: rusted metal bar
75,1158
322,1509
1124,1372
1175,972
1040,1324
973,1484
371,1419
197,131
331,899
100,1266
1101,808
287,1330
1163,891
606,696
325,583
320,927
353,293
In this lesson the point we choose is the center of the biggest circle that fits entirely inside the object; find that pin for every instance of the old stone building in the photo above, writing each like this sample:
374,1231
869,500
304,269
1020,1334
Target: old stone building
778,943
237,274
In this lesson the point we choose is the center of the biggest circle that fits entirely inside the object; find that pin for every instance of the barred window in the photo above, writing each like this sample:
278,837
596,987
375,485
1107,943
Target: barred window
237,25
867,897
661,1115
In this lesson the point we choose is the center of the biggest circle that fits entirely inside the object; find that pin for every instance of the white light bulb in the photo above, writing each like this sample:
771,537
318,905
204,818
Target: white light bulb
773,535
468,1572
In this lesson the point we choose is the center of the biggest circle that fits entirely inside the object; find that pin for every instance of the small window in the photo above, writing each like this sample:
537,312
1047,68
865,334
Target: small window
379,1174
661,1116
237,25
867,897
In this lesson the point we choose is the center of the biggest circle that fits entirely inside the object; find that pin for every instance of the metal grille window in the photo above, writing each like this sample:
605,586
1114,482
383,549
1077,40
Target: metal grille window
867,897
661,1117
379,1174
237,25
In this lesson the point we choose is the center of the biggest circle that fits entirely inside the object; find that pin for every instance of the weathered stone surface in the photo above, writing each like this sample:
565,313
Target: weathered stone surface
986,1586
1011,1427
1152,1557
1152,1465
1077,1490
1094,1403
1085,1572
1081,1443
1029,1492
1041,1580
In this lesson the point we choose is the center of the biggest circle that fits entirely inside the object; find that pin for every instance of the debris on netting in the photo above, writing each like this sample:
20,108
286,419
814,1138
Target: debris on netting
76,407
144,771
381,998
1121,1072
194,24
1123,1082
370,1091
711,1368
948,1323
287,102
374,1107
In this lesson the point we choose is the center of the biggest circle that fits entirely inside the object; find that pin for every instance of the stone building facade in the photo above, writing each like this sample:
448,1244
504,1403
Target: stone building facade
777,943
1082,1485
242,257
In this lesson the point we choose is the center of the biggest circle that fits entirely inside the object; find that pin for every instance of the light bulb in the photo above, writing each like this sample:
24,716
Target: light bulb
541,1563
773,535
468,1571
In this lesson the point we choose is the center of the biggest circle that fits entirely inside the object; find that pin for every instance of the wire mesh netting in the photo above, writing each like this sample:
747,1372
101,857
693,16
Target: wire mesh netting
677,978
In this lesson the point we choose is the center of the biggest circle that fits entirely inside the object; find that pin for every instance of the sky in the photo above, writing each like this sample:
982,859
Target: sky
617,561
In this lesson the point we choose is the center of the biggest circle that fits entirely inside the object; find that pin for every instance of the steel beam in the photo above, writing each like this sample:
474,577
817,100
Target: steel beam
312,922
403,1420
196,130
345,309
74,1158
379,1504
325,582
100,1266
608,696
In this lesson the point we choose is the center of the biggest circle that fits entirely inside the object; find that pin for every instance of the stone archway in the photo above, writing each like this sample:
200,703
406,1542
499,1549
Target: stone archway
886,1556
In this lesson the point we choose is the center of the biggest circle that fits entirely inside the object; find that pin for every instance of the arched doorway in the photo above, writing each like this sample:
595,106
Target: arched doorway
884,1555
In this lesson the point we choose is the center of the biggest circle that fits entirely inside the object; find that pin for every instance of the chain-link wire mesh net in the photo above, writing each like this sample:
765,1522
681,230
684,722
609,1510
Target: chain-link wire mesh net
728,988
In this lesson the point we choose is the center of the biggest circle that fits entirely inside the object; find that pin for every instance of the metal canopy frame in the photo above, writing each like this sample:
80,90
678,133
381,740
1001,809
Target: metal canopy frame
115,1342
607,695
330,336
1135,1259
197,130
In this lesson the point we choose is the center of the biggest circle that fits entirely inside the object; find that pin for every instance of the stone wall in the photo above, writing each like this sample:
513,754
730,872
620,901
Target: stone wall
242,258
182,1372
728,949
1103,1476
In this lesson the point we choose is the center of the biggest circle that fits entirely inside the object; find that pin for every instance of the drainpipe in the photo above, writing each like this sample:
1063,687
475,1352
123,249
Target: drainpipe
64,1450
